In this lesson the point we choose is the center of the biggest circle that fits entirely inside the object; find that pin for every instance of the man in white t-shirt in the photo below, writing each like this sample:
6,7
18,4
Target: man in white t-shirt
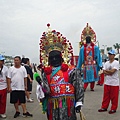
111,87
17,84
3,87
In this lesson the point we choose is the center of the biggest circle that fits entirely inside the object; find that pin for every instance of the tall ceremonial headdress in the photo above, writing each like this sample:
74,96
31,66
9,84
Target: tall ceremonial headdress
88,31
52,40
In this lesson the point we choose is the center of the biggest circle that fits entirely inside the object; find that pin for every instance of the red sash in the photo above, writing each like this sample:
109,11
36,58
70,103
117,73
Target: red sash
59,83
86,53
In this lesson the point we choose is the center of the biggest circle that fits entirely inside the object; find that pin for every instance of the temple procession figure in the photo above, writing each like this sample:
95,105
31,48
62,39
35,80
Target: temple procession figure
61,88
89,58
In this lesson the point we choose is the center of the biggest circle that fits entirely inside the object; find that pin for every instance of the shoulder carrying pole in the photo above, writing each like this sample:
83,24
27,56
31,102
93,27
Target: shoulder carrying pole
82,117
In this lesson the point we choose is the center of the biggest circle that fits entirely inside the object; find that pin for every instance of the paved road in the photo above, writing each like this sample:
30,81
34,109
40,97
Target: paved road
91,105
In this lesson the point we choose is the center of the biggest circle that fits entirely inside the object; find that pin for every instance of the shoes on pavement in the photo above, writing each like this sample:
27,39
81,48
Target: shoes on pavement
97,84
16,114
3,116
92,90
102,110
112,111
27,114
30,100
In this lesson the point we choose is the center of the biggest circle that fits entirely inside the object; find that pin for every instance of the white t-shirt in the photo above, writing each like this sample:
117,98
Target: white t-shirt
17,76
112,80
3,75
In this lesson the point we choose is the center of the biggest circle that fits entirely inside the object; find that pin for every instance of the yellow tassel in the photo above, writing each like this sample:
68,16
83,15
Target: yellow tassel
43,112
54,104
40,103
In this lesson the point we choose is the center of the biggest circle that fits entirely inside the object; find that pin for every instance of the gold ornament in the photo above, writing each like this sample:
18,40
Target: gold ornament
88,31
52,40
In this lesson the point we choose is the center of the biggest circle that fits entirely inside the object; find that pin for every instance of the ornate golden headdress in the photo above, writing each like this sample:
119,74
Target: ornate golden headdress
88,31
52,40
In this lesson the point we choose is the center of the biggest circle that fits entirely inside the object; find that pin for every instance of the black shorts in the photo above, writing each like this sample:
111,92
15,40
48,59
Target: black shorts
29,85
16,96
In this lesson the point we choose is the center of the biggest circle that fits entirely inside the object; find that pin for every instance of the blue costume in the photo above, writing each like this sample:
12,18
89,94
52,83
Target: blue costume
90,57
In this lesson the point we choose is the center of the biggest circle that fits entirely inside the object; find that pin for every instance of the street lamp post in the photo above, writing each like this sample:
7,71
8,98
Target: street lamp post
104,48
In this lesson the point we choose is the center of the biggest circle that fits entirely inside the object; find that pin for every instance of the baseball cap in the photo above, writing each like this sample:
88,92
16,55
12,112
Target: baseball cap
2,57
112,52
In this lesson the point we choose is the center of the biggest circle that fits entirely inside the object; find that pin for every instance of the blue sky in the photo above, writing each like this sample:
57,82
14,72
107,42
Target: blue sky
22,23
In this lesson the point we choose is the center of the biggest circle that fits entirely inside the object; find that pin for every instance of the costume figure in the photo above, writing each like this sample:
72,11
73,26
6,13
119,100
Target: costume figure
61,83
89,57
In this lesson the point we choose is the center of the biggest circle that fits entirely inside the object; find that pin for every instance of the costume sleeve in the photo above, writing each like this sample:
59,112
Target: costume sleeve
45,85
81,58
76,80
43,91
98,56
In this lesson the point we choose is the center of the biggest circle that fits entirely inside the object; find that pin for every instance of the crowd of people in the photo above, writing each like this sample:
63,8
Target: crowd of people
17,80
